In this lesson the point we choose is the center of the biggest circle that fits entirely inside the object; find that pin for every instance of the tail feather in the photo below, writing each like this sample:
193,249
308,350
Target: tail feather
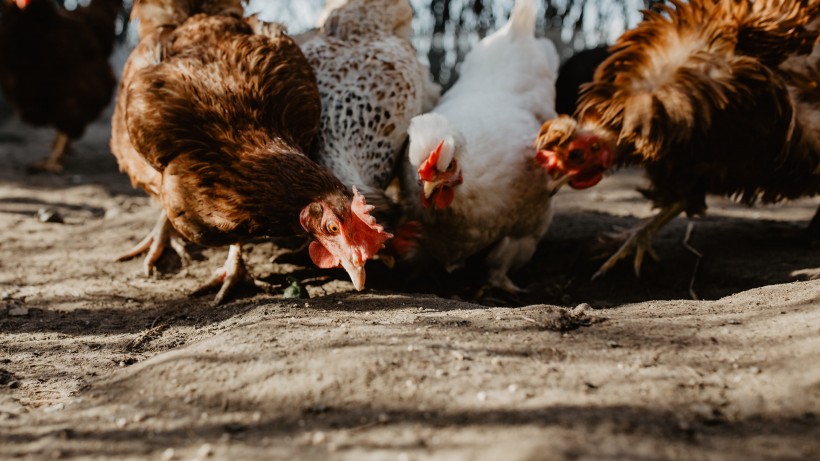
153,14
522,19
771,30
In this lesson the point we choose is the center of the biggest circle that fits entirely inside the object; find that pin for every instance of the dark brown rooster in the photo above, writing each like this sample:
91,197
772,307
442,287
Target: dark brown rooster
54,66
710,97
213,121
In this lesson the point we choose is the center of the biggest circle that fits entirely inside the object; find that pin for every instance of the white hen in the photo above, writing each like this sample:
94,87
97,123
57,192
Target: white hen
472,180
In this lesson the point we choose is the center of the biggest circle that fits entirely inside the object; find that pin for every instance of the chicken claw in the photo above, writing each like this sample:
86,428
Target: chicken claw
639,239
228,276
154,244
53,164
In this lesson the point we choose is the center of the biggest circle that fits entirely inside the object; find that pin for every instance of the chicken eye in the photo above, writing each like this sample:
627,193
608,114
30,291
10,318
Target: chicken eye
333,228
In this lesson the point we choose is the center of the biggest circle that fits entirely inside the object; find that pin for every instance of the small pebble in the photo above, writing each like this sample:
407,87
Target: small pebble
53,408
18,311
121,422
205,451
168,454
49,215
481,396
318,438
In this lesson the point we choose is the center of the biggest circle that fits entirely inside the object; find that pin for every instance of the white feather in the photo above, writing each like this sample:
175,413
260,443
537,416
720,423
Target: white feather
506,90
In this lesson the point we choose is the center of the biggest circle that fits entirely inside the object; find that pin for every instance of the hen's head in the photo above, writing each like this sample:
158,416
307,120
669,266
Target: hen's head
434,152
574,155
345,235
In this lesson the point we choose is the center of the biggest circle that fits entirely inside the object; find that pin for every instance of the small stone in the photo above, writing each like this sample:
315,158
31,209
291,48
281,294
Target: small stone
613,344
512,388
49,215
205,451
318,438
121,422
581,308
168,454
54,408
481,396
18,311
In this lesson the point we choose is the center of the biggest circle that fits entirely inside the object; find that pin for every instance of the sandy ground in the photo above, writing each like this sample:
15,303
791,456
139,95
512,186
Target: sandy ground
98,361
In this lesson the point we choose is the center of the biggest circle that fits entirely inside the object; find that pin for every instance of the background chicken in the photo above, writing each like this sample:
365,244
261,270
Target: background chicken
471,179
573,74
213,121
54,66
702,99
371,84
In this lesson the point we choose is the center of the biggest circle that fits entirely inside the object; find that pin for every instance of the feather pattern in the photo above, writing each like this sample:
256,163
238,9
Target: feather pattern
371,84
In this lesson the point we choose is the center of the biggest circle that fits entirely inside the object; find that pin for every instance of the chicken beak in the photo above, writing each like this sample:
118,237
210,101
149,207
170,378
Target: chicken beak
356,272
429,187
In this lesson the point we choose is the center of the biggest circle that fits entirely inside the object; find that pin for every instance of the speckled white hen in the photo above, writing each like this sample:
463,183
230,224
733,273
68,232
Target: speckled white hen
471,178
371,84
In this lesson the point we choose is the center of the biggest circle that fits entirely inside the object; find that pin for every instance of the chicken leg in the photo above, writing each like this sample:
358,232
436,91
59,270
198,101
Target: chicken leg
154,244
227,276
640,239
53,164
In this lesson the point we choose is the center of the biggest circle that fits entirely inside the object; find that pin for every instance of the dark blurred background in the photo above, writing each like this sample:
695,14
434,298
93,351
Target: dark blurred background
445,30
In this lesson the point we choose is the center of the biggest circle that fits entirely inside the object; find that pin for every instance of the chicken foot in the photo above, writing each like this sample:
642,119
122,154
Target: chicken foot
640,239
154,244
53,164
228,276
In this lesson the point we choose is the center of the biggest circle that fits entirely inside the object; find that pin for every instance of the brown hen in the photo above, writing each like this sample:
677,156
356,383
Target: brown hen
213,121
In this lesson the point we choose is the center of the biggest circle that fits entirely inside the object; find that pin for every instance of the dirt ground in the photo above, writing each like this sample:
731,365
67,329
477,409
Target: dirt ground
98,361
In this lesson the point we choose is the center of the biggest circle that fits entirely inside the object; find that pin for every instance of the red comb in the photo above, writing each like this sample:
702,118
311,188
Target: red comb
428,167
364,230
22,3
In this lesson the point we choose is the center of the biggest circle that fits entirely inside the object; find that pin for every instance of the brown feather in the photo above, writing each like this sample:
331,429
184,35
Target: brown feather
696,96
213,121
